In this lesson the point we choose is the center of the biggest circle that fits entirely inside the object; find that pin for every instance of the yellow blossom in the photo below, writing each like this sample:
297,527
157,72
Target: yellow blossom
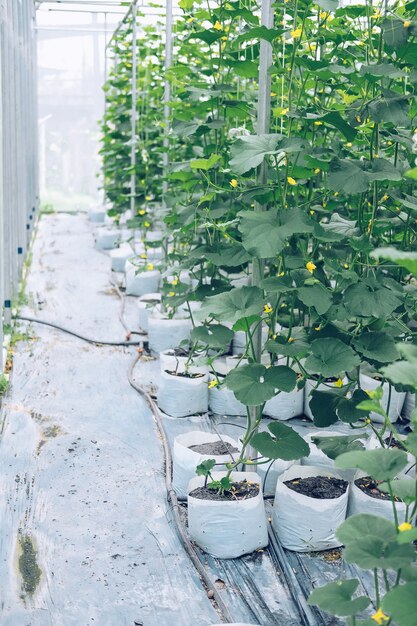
318,123
233,183
217,26
376,15
310,267
213,383
148,198
141,212
296,34
358,119
406,23
174,282
281,274
290,339
311,212
291,180
268,308
146,224
190,19
349,143
336,193
317,328
323,15
150,266
171,293
317,170
385,198
379,617
405,526
346,266
143,255
338,383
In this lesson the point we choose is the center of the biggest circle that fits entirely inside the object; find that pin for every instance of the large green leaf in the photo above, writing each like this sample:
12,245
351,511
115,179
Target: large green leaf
400,257
233,305
347,176
298,347
253,384
205,164
249,152
381,169
336,445
316,296
376,346
336,598
282,443
214,336
228,255
380,464
394,33
367,299
323,405
401,604
390,108
331,357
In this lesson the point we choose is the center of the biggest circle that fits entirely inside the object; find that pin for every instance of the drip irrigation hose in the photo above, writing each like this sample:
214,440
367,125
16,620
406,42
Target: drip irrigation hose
96,342
174,503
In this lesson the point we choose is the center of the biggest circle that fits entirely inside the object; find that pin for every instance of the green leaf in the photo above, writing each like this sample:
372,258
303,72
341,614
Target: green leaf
348,410
380,464
214,336
228,255
381,169
336,598
205,467
205,164
366,299
264,234
400,257
376,346
335,119
208,36
260,32
323,405
245,69
299,347
331,357
316,296
254,384
390,108
283,443
402,488
401,604
347,176
403,373
341,226
334,446
233,305
249,152
394,33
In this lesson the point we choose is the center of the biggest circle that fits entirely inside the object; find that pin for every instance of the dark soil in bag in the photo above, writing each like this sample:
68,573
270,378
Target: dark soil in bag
319,487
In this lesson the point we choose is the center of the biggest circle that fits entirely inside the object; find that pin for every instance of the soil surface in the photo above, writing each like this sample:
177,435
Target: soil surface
394,443
217,448
319,487
370,486
185,374
239,491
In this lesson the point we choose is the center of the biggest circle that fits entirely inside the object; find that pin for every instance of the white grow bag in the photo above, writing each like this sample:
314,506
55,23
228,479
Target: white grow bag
397,399
106,239
309,386
119,256
360,502
222,401
168,361
142,283
97,216
146,305
278,467
302,523
185,460
239,340
179,396
165,333
409,405
227,530
284,406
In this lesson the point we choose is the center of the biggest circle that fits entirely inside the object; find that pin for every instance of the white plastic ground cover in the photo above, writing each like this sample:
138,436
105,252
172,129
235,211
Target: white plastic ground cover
179,396
185,461
305,524
146,305
309,386
106,238
272,473
285,406
227,530
165,333
360,502
141,283
223,401
119,256
409,405
169,361
97,216
397,399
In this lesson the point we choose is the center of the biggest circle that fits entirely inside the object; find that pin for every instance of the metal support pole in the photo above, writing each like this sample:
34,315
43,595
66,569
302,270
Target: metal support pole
134,112
167,98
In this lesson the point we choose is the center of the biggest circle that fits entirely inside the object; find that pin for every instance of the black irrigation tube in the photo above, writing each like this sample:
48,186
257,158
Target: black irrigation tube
174,503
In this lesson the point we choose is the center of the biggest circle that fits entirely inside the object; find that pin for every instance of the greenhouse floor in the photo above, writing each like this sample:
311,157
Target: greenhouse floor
87,536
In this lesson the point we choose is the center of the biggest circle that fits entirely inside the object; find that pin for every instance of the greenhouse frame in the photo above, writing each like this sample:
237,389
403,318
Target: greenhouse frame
208,312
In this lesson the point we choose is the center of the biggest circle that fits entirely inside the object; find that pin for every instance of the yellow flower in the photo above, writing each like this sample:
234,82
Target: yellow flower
317,328
148,198
312,212
213,383
174,282
146,224
358,119
346,266
233,183
379,617
141,212
404,526
318,123
376,15
143,255
171,294
150,266
281,274
291,180
190,19
407,23
296,34
338,383
385,198
323,15
268,308
217,26
290,339
310,267
317,170
349,143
